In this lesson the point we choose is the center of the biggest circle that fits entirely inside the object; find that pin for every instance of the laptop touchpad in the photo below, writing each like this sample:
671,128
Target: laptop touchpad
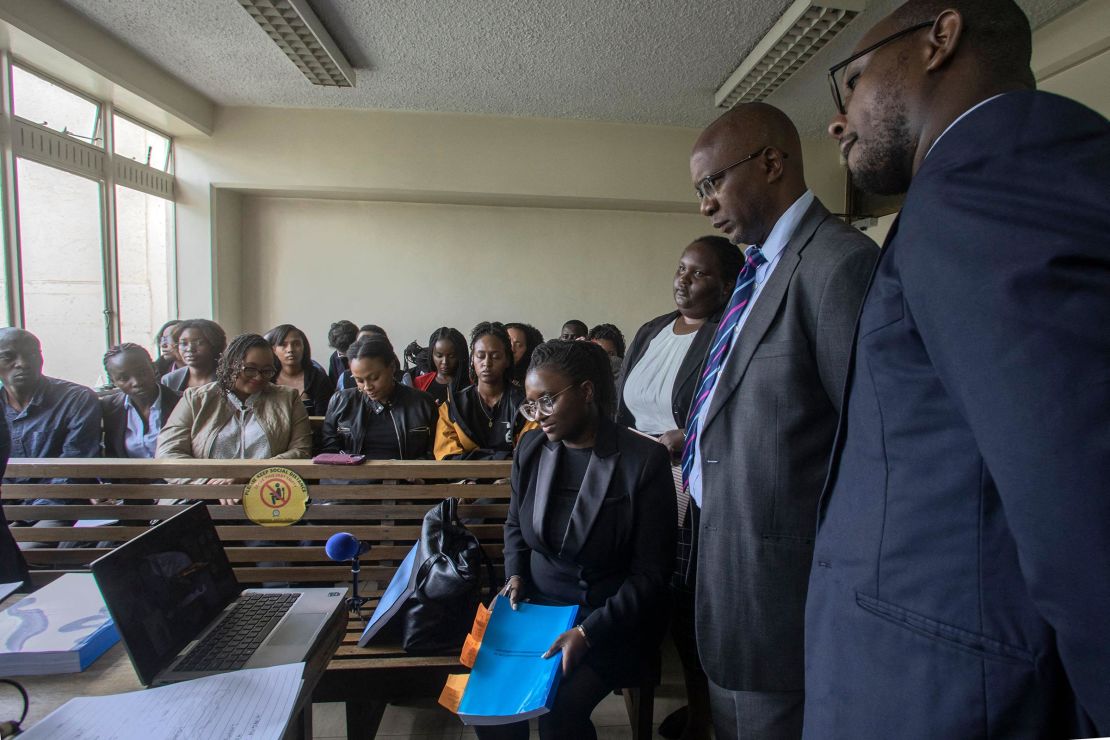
297,629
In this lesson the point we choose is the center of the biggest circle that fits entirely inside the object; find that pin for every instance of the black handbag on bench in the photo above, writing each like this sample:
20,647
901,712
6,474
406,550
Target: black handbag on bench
447,577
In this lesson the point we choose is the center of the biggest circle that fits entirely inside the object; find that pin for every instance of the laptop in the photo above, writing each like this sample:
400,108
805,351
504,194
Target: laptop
182,614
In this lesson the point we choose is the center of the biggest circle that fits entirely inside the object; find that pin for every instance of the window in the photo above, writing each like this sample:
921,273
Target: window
81,285
40,101
139,143
63,274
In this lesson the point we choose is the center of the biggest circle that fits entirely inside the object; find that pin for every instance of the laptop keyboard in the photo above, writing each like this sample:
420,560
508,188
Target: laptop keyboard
231,644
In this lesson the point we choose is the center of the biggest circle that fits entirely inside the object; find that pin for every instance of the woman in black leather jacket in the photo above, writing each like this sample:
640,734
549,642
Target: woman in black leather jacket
379,417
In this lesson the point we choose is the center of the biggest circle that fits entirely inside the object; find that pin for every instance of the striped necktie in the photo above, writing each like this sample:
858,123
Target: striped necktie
722,340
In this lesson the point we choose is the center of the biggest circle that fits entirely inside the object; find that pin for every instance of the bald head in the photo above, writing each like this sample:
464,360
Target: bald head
20,360
747,165
750,126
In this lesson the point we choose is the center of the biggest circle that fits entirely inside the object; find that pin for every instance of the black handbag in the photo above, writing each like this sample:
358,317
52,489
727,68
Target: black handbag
447,583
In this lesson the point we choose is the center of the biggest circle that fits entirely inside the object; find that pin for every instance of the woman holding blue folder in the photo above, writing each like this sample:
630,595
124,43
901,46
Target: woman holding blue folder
591,522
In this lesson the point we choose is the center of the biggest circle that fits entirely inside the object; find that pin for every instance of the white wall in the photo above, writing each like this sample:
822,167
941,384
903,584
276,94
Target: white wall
414,267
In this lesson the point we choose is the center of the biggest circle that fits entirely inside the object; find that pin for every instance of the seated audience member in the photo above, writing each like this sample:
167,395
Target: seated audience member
591,522
134,416
13,568
168,358
340,336
481,422
242,415
200,343
47,417
366,330
525,339
610,339
298,371
379,418
447,348
574,330
655,390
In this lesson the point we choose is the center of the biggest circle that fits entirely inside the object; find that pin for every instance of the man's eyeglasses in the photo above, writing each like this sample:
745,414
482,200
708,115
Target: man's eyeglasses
251,373
542,406
838,69
707,186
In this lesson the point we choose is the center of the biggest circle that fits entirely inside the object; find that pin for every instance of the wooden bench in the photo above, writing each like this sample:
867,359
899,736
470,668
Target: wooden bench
386,514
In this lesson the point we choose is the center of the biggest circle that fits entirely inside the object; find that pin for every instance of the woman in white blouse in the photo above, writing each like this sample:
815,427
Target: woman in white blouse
655,391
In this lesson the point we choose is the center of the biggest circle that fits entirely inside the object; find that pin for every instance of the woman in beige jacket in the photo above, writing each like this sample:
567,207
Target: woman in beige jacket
240,416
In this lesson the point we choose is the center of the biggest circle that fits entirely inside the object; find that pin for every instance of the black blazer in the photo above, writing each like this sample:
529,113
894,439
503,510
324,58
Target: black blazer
685,383
114,414
961,579
620,542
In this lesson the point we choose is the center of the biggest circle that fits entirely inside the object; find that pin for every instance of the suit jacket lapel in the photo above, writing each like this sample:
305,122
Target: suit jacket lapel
765,309
545,479
595,484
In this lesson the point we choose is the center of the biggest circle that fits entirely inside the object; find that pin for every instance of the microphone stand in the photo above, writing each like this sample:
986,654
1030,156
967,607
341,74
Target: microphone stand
354,601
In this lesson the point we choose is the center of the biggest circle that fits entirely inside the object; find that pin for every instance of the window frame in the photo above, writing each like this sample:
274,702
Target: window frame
106,179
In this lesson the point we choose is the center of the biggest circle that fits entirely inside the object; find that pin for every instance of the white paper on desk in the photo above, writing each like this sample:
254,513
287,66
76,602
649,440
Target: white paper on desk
7,589
253,704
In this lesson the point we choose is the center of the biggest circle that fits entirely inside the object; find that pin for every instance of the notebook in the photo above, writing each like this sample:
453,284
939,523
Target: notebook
181,611
61,628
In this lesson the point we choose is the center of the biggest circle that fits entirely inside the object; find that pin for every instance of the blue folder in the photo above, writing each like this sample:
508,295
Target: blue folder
400,588
511,680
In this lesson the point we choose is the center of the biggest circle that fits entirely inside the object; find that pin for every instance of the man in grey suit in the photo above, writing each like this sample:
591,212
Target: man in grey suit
759,447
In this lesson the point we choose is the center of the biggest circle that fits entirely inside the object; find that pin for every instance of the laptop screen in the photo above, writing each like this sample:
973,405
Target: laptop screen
165,586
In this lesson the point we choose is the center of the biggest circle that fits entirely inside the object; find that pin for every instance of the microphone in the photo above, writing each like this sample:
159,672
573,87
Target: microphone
344,546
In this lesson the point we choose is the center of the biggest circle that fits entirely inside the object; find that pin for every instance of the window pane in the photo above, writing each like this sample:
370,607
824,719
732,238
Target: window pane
143,224
140,144
63,277
5,316
45,103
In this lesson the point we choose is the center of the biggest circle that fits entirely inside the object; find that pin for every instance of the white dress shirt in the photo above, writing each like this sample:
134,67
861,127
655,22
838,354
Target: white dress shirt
772,249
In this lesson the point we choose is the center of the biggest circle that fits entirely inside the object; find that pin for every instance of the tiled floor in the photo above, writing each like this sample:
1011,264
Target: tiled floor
428,720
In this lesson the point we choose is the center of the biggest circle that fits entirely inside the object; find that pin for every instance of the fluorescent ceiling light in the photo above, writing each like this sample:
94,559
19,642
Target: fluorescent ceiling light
803,30
300,34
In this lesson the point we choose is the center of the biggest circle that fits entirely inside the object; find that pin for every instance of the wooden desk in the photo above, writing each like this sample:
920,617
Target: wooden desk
112,673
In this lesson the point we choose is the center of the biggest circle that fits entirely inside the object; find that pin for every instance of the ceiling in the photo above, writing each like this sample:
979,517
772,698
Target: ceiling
635,61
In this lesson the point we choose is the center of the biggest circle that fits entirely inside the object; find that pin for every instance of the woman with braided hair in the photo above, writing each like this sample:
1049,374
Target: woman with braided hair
591,522
481,422
447,348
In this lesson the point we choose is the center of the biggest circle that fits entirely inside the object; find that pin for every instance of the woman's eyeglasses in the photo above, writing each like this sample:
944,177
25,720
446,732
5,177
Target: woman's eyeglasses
253,372
542,406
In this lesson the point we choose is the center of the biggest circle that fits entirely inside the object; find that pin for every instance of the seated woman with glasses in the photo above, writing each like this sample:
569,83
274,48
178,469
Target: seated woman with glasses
655,389
379,418
591,522
481,422
200,343
298,371
447,348
242,415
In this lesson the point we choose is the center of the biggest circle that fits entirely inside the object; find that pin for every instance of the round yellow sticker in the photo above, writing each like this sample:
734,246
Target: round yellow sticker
275,497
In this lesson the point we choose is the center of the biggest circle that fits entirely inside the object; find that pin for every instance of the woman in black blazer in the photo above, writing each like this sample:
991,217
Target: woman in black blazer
656,388
591,522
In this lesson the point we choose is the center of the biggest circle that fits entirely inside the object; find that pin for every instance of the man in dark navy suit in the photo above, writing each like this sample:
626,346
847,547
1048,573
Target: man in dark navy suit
960,585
